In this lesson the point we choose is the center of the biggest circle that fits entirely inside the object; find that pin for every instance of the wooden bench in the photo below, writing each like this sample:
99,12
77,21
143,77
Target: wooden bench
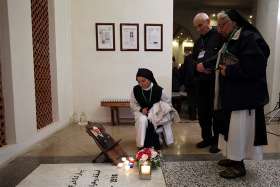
114,106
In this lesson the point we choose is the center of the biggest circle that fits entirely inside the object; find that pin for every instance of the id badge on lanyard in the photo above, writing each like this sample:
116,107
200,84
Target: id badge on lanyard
201,54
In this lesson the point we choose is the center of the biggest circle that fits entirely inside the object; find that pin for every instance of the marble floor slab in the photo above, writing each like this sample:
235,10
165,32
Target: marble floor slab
90,175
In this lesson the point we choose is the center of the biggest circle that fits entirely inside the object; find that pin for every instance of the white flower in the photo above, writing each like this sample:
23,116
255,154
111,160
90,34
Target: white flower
144,157
154,154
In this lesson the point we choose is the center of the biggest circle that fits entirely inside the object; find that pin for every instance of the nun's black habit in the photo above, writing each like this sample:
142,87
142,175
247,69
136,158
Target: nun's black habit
245,86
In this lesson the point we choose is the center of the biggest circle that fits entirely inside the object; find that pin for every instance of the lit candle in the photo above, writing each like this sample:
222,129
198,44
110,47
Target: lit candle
131,159
146,169
126,167
126,162
120,165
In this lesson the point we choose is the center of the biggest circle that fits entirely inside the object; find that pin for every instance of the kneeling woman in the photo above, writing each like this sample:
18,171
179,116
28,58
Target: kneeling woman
143,97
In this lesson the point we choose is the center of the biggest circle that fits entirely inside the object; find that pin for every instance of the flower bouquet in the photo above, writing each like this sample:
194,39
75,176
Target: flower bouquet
148,155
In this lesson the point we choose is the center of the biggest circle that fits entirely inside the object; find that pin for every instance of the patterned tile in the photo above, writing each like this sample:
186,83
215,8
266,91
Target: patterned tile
205,173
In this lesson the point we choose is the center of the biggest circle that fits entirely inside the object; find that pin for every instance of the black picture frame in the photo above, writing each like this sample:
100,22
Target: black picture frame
105,36
129,37
153,37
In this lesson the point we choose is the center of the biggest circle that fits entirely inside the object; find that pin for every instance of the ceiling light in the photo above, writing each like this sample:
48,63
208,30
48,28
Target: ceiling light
175,43
188,43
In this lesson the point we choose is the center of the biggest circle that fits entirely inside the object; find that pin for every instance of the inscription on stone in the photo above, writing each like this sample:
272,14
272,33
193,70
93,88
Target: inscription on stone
89,175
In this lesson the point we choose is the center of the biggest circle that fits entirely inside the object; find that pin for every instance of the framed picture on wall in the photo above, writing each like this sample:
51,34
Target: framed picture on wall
153,37
105,36
129,36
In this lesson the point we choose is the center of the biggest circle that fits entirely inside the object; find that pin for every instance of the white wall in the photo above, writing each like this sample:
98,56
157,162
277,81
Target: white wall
64,59
98,74
18,67
268,22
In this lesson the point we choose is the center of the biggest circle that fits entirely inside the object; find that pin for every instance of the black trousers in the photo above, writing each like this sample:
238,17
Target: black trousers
192,102
205,97
151,138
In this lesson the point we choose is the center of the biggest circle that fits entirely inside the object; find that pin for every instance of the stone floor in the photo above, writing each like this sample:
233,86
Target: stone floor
205,173
73,145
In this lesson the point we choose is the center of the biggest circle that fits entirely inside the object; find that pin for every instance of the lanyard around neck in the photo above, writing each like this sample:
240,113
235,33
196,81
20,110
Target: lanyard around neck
150,97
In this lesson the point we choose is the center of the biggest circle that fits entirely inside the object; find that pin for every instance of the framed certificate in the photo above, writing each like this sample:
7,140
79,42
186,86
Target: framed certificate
129,36
105,36
153,37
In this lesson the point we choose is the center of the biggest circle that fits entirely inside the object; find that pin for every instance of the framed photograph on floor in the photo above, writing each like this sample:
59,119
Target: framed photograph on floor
129,36
105,36
153,37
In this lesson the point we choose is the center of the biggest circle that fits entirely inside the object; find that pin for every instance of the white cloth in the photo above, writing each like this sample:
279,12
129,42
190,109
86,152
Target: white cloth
241,135
163,114
141,121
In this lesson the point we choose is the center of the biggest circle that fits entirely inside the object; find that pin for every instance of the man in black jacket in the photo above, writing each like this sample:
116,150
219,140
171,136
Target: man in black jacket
205,55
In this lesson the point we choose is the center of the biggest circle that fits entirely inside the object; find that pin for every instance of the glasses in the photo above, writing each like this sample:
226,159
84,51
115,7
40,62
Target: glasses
220,26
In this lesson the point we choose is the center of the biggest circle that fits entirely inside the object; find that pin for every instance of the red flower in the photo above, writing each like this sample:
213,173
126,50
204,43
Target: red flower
148,154
139,155
147,151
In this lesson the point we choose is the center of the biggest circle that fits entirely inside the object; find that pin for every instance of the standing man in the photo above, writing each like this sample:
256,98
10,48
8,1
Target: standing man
205,55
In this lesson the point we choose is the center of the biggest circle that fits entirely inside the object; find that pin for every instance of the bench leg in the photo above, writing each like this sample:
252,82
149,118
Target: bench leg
117,116
112,116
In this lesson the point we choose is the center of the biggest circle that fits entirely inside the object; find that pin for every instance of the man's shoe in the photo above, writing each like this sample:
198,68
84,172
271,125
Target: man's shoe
203,144
226,163
237,170
214,149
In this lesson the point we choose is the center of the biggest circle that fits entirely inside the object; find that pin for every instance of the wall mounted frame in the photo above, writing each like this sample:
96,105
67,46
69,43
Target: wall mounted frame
105,36
153,37
129,37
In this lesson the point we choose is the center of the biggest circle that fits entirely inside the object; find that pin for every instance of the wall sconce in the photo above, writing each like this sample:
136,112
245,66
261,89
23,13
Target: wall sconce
145,170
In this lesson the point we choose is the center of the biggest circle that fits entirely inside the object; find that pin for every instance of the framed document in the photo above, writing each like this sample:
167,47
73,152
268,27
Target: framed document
129,35
153,37
105,36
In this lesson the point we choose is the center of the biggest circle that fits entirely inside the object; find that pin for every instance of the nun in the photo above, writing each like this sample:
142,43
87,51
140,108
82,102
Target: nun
241,92
143,97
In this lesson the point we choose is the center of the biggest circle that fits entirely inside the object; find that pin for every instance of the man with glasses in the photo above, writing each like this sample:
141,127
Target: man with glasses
205,55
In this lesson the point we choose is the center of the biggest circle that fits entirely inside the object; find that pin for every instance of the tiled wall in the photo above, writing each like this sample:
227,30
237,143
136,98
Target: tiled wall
2,119
40,35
